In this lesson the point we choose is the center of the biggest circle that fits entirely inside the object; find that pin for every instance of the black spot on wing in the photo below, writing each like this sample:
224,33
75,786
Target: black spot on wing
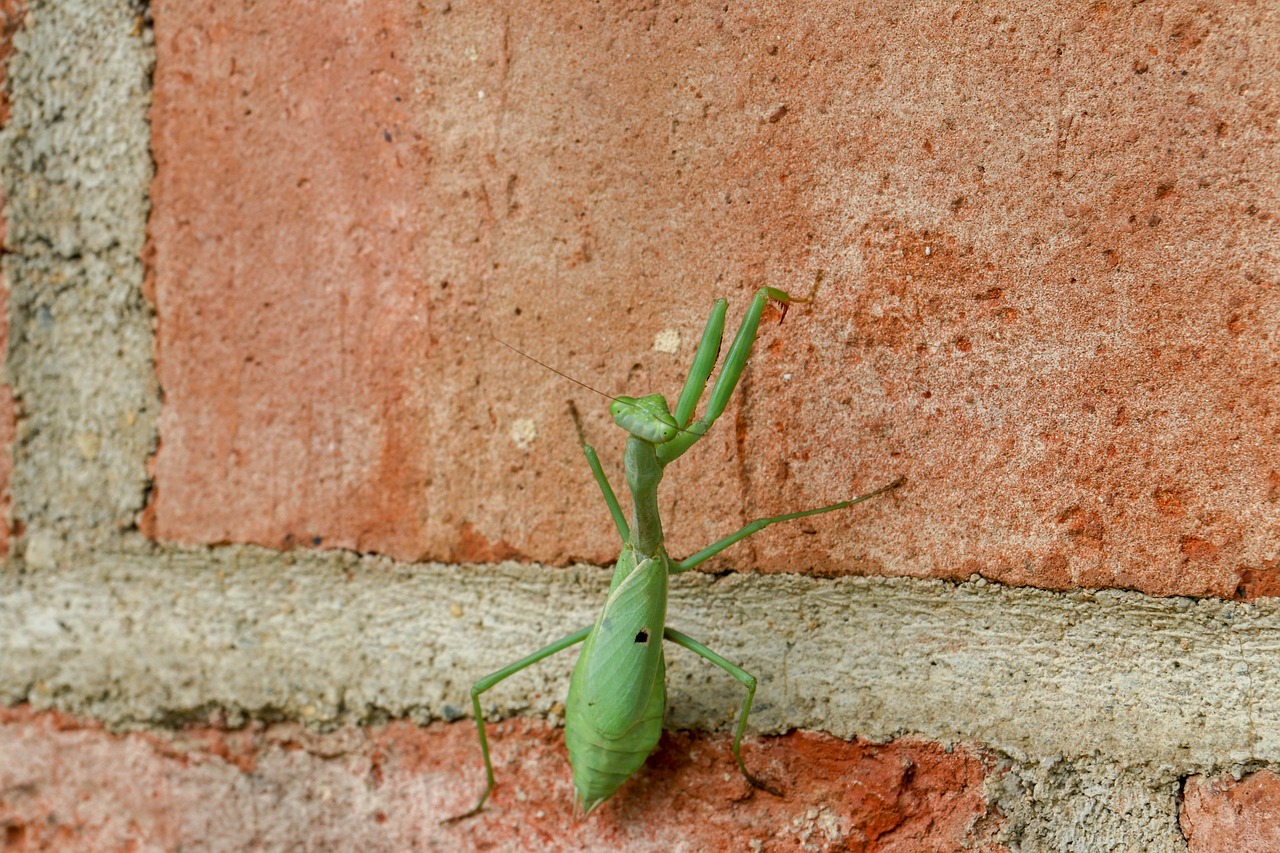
642,636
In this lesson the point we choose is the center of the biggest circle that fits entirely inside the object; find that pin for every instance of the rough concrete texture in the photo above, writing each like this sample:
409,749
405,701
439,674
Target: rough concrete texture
146,640
1048,237
8,425
1090,805
386,788
1232,815
1098,703
76,170
11,14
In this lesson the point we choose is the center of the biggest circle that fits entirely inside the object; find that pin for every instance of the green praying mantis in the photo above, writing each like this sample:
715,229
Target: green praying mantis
617,695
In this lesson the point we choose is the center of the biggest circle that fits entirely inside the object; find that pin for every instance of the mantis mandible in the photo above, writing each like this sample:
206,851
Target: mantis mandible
617,696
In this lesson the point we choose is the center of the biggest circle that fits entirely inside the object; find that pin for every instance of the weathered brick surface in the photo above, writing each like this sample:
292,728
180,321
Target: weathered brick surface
1049,239
286,225
68,785
1222,815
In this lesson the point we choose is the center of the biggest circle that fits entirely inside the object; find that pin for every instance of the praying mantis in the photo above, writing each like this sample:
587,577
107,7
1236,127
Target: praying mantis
617,695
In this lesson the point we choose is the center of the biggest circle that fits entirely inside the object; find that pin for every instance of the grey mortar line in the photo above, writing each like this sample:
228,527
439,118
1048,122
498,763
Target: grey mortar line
77,170
330,639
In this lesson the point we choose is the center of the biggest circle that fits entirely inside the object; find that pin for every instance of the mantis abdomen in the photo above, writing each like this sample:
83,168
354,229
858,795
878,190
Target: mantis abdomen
613,716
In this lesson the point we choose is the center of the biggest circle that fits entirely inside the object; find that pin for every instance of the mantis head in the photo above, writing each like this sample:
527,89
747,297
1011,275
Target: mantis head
647,418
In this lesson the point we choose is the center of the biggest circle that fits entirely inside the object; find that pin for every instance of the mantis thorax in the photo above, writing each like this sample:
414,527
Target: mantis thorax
644,473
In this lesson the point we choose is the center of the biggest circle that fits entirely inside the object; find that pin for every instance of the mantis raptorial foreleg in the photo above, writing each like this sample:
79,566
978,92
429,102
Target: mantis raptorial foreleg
492,680
597,471
704,360
748,681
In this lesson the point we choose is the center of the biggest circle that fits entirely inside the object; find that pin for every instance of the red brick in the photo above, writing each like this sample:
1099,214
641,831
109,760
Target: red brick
285,229
71,786
1050,283
1221,815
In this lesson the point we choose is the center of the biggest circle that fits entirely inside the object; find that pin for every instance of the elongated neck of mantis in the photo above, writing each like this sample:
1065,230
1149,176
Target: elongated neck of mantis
644,472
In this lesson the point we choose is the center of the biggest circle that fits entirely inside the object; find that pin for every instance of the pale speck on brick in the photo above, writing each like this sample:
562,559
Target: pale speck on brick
668,341
523,432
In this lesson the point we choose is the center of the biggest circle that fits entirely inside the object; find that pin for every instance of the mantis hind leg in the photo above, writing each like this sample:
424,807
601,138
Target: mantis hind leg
490,681
748,681
761,523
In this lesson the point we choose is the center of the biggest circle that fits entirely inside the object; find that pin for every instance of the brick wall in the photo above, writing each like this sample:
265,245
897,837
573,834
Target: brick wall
278,496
